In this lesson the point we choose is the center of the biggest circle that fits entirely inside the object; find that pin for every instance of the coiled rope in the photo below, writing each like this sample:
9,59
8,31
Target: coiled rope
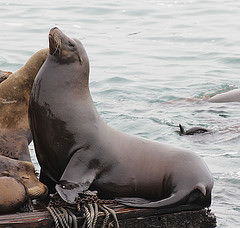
88,205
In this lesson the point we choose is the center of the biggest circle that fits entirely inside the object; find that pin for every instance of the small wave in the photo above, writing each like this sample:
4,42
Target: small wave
223,88
231,60
119,80
12,24
229,155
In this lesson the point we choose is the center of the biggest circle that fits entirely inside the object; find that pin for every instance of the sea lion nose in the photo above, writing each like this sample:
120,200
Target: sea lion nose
52,30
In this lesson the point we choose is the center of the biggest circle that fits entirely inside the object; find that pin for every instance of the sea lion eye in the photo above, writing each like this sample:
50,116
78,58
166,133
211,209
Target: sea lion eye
5,173
71,44
25,178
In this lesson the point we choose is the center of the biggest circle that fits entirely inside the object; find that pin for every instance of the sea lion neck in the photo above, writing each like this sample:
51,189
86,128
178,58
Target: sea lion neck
77,80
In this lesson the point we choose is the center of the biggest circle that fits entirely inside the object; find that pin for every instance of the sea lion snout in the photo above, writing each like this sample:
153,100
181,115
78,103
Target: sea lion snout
55,41
38,192
54,28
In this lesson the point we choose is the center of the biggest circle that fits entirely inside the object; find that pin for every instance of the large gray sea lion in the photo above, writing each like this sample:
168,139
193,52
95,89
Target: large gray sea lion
77,150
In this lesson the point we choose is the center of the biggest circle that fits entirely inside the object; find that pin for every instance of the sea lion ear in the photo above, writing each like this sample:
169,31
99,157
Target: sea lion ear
77,177
80,60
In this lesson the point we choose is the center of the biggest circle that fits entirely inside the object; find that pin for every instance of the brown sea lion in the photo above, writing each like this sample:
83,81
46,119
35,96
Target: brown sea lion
77,150
15,133
15,91
23,172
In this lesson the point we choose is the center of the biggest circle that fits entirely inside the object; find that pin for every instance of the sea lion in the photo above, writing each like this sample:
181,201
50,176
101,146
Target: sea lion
78,151
15,91
4,75
23,172
192,131
230,96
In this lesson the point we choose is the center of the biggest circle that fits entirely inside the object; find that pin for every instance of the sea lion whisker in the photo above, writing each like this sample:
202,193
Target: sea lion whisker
56,50
58,43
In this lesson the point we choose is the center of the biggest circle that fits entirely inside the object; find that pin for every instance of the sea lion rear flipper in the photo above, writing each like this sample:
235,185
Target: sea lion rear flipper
171,200
135,200
77,176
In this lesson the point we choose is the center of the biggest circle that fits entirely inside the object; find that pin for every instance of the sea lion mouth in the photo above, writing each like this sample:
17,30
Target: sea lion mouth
55,41
38,192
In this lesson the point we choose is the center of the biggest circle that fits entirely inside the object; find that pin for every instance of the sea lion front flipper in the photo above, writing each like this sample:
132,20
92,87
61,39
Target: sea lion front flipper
77,176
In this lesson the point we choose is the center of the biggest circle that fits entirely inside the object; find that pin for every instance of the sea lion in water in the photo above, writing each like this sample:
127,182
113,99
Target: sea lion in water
15,91
230,96
23,172
192,131
77,150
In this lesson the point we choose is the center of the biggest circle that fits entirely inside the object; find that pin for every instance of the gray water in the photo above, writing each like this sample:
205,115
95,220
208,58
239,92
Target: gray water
145,56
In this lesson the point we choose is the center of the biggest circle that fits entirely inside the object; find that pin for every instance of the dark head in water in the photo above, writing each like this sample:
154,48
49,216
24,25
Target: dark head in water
192,131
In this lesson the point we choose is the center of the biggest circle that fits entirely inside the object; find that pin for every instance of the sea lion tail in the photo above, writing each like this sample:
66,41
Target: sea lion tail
182,131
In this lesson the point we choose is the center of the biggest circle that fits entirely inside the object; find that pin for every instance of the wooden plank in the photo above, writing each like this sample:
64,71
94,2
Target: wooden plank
27,219
128,217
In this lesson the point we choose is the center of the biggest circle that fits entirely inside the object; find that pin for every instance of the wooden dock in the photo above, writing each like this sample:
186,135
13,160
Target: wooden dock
127,217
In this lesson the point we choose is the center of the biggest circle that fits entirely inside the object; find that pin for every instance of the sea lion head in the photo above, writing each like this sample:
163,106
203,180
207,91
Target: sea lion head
24,172
65,49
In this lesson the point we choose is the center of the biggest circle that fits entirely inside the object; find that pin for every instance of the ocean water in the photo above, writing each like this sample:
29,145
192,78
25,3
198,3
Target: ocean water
153,64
